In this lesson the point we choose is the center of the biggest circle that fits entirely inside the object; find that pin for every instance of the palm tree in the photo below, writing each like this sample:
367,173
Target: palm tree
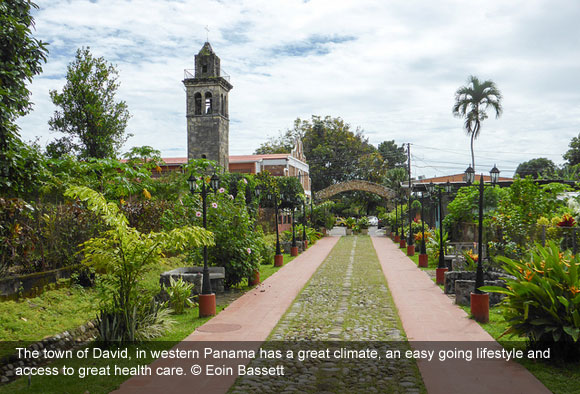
471,102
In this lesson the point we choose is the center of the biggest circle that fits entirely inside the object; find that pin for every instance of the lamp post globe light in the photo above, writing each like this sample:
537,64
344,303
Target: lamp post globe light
479,300
207,303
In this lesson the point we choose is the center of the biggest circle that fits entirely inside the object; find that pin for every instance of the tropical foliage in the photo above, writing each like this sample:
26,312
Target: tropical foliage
543,299
22,58
123,254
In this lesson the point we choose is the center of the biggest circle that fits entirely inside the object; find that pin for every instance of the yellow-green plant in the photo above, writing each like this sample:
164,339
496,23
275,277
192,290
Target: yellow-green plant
179,294
543,301
123,255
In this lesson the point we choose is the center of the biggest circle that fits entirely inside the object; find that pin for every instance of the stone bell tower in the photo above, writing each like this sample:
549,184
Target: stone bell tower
208,122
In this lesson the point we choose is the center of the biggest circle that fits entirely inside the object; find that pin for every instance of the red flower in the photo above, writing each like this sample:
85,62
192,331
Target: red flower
567,221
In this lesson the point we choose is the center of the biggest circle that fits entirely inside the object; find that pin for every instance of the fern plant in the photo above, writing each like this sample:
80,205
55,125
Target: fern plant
123,255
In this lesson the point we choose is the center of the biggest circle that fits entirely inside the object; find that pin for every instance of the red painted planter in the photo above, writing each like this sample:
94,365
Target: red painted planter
254,279
397,238
294,251
480,307
305,245
206,305
402,243
411,250
278,260
423,261
440,275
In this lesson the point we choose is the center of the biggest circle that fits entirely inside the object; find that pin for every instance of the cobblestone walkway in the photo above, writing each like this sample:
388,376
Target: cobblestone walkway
345,300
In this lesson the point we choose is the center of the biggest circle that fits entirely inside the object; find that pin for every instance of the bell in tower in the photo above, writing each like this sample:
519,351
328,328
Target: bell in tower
207,109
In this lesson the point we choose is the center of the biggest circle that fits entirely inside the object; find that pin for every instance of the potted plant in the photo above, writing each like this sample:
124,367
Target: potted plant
364,224
328,223
350,225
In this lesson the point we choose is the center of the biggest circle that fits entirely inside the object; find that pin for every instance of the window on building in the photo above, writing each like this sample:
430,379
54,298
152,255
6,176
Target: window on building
223,105
208,103
197,98
204,68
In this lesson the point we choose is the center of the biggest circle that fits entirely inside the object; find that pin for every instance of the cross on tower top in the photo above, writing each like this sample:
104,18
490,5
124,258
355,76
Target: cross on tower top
206,33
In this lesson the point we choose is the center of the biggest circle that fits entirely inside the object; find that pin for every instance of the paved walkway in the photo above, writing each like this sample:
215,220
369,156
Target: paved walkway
346,304
429,315
337,314
250,318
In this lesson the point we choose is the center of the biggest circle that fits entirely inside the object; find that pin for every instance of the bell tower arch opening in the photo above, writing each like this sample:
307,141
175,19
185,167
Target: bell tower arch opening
208,123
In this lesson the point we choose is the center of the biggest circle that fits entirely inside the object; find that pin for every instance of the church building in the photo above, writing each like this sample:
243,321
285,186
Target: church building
208,126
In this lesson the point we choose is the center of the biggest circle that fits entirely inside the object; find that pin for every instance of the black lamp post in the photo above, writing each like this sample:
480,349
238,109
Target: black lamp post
294,248
402,242
479,299
278,258
397,239
207,304
304,240
410,242
423,258
441,268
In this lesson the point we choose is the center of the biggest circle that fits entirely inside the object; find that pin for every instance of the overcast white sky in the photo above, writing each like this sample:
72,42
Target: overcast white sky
390,67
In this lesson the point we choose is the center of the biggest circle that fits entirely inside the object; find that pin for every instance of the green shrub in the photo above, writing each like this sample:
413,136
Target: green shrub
237,237
363,223
17,235
266,248
146,215
41,237
124,254
433,245
543,301
179,295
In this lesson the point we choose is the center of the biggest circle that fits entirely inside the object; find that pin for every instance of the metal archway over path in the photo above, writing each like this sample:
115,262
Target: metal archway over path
364,186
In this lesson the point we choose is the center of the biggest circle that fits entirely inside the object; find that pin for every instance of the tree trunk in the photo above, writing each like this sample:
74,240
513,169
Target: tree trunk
472,155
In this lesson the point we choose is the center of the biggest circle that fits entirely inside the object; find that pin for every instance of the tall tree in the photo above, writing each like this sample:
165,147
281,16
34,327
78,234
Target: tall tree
94,123
284,142
393,155
537,168
573,154
471,103
334,152
21,56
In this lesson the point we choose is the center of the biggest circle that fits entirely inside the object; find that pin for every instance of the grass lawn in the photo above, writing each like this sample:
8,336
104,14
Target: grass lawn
58,310
557,377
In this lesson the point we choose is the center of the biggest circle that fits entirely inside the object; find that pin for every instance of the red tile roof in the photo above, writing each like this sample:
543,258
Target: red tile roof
456,178
245,158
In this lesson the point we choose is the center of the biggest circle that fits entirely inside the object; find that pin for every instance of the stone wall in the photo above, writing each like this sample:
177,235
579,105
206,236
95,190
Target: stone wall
66,340
32,284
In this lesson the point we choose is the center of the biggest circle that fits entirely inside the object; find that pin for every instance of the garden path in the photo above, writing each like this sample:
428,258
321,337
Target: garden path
429,315
347,299
249,318
346,304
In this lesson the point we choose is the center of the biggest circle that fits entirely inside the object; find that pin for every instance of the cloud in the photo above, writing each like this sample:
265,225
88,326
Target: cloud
389,67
